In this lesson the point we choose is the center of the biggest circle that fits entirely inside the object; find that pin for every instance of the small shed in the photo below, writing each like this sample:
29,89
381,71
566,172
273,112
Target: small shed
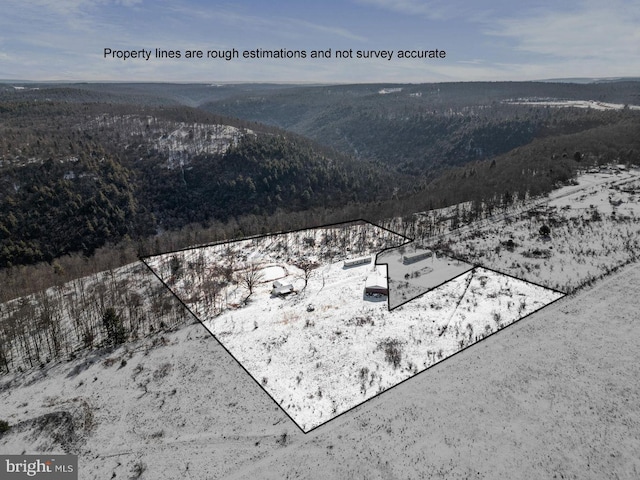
357,261
615,201
282,290
376,284
416,257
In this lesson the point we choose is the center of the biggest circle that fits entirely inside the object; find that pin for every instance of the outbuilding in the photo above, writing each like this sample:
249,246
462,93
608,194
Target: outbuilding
352,262
416,257
282,290
376,284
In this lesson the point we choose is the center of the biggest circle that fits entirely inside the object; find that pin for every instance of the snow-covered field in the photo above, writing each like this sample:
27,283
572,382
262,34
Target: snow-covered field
594,228
347,346
328,346
556,394
319,364
596,105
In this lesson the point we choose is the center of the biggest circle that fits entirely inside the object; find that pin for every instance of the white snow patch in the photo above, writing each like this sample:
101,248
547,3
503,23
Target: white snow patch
593,104
328,347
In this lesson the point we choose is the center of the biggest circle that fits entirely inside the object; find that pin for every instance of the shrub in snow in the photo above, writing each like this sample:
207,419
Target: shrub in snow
4,427
392,351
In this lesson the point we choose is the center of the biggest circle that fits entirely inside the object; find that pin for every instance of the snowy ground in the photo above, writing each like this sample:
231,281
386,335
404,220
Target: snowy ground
594,228
556,394
179,141
346,347
408,281
348,350
576,104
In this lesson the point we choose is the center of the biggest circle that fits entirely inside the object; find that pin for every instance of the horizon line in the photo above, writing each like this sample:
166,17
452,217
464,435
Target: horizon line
212,83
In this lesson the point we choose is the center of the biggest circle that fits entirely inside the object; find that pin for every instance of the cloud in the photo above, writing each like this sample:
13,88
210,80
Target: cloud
606,33
334,31
69,7
57,15
275,25
434,10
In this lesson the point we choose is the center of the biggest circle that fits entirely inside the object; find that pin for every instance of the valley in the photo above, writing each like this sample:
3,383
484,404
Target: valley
185,291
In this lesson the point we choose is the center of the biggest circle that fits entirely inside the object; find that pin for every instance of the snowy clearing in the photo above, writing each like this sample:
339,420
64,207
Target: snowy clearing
554,394
575,103
593,228
179,141
345,346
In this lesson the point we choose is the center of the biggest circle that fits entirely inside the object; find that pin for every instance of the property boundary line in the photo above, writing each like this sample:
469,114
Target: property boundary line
143,259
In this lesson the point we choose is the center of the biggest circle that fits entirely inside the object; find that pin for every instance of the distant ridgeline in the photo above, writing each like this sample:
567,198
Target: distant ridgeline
429,127
88,165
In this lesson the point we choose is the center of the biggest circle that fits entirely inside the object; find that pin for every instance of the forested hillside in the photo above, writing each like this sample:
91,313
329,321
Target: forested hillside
87,166
75,177
424,129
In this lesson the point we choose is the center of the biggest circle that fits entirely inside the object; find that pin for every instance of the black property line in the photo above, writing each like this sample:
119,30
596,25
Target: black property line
221,344
411,240
522,279
353,222
197,317
434,364
471,267
358,221
273,234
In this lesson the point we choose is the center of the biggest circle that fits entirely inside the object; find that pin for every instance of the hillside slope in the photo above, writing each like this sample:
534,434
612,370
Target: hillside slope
74,177
555,395
425,128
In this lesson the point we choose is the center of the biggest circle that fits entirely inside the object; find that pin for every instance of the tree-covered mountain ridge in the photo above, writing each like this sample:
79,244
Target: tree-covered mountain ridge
427,128
74,177
88,165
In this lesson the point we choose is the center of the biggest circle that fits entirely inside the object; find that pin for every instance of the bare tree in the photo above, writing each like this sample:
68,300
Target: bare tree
212,288
251,276
307,267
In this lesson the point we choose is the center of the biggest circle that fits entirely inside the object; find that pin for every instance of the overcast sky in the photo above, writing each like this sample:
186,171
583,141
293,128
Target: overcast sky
483,39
